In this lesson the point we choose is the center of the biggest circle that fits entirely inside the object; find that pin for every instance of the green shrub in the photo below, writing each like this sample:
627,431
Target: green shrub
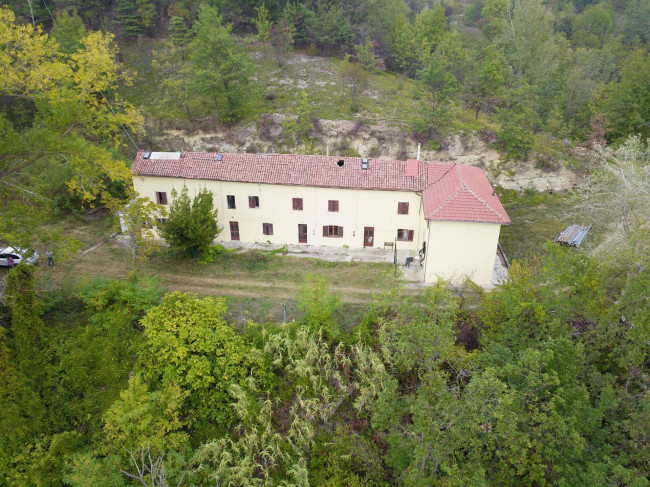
319,307
345,458
212,253
254,260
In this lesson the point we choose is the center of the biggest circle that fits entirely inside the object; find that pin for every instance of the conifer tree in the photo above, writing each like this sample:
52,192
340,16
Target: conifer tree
126,14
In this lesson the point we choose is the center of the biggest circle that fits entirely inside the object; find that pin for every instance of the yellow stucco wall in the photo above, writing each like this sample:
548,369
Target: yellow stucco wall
357,209
456,250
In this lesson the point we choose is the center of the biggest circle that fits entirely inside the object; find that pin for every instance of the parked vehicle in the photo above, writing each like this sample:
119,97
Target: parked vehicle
18,255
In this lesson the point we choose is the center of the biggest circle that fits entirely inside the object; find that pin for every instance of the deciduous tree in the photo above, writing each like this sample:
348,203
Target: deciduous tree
354,78
73,118
282,38
189,344
68,30
263,25
192,225
618,190
137,219
626,101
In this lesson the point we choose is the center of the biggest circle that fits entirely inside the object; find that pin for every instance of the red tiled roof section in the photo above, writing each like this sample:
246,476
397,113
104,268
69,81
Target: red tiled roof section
413,167
288,169
461,193
450,191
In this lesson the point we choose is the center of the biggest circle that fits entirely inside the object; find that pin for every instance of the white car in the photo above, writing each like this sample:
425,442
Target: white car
18,255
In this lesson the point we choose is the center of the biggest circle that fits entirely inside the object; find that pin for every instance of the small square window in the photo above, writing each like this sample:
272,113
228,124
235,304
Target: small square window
297,203
161,197
253,201
333,205
231,201
403,208
267,228
405,235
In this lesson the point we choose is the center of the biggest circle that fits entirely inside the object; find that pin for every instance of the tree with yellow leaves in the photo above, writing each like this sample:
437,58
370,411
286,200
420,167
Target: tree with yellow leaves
61,121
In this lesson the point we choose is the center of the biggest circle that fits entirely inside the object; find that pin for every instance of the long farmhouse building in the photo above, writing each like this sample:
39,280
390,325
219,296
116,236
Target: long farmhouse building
446,209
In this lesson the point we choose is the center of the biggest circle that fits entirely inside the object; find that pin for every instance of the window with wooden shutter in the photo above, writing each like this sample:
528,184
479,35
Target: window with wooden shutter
405,235
297,203
332,231
333,205
267,228
161,198
231,201
253,201
403,208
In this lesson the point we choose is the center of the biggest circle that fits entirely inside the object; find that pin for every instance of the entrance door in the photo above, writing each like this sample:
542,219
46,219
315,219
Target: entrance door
368,236
302,233
234,230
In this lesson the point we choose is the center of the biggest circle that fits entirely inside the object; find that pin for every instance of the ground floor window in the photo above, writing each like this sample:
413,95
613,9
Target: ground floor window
332,231
405,235
267,228
234,230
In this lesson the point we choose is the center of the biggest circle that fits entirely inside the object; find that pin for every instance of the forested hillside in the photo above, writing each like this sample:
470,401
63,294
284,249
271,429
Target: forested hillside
124,380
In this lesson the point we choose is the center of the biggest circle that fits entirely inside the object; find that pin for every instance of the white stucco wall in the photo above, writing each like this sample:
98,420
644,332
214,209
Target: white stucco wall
456,250
357,209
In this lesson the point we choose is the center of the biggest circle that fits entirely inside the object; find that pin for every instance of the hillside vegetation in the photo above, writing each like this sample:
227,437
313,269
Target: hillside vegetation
203,366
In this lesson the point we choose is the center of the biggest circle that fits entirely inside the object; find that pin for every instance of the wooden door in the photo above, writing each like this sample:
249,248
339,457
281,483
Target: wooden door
368,236
302,233
234,231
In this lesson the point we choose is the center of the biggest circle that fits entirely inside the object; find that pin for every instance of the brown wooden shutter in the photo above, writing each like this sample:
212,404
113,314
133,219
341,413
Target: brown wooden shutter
251,202
341,232
403,208
410,235
324,230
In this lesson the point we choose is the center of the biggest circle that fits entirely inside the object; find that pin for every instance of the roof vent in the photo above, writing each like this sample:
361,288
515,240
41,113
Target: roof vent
365,164
147,154
341,162
218,157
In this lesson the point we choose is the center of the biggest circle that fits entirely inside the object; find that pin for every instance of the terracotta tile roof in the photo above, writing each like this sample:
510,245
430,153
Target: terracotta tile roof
413,167
450,191
289,169
461,193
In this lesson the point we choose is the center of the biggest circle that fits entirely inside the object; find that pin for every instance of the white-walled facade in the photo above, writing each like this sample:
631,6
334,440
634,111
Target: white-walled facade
342,202
361,213
459,250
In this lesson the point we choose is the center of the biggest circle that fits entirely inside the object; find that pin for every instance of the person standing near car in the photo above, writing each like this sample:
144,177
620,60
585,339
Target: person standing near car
50,257
10,262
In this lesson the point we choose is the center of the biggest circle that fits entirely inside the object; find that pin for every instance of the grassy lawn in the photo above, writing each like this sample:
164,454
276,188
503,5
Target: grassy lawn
258,291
